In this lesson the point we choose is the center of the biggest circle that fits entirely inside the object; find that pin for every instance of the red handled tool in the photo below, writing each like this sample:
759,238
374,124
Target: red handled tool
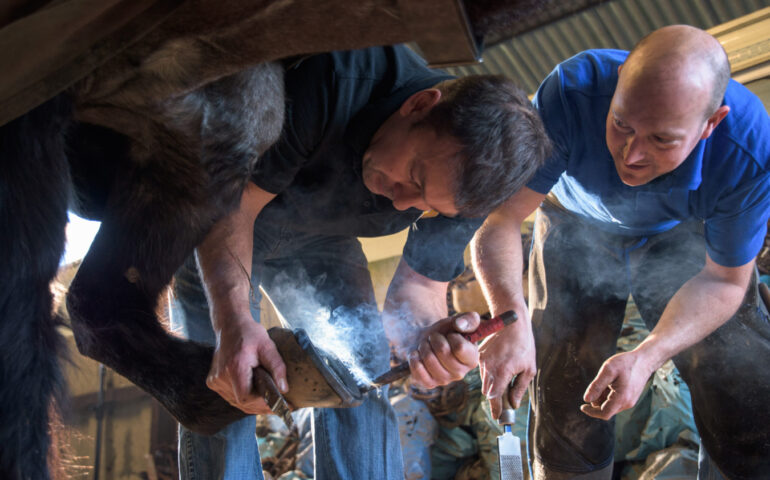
493,325
485,329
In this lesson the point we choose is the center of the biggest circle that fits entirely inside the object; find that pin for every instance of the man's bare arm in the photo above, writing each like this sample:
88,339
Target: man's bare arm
700,306
224,259
498,263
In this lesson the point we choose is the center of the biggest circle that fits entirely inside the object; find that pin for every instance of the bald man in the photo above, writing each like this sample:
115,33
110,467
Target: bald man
658,186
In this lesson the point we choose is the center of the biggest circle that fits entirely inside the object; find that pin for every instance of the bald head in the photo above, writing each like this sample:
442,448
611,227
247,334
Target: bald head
668,98
679,60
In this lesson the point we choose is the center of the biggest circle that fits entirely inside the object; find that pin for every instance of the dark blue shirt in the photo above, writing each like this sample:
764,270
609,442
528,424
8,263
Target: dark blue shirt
335,104
725,181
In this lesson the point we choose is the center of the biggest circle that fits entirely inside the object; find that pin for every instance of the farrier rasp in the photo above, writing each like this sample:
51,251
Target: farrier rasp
509,445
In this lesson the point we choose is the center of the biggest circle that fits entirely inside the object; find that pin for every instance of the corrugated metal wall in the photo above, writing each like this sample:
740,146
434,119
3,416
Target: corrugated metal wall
529,57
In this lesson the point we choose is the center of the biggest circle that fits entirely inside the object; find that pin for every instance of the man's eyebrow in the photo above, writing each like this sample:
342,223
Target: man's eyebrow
417,175
670,135
665,134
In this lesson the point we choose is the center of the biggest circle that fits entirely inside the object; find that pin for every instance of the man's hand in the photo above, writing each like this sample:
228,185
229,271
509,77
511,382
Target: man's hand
224,261
242,346
507,358
443,355
617,386
496,250
700,306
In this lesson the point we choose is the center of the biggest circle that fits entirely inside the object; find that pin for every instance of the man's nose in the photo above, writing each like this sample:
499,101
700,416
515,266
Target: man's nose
405,197
634,150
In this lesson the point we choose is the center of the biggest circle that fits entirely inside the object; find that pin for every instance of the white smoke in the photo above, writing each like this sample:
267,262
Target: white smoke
339,332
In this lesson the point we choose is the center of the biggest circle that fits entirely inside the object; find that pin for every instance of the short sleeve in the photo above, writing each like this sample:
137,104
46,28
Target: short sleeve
551,105
736,231
435,246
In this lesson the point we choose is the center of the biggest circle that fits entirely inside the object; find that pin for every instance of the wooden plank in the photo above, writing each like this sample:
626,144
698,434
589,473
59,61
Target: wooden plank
442,32
44,53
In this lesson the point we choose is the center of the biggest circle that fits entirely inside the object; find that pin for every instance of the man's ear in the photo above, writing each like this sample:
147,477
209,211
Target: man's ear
713,120
420,103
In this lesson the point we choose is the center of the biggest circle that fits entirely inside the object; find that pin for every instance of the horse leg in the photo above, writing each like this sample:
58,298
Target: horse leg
177,185
34,190
112,304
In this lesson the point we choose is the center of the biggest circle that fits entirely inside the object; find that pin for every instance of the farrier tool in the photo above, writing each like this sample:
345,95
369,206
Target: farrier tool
509,445
267,389
485,329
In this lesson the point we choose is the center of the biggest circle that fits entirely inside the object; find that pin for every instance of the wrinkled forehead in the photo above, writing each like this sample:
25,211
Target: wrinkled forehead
668,103
672,89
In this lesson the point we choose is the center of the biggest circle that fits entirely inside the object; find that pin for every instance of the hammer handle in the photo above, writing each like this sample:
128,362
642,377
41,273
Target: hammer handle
491,326
484,329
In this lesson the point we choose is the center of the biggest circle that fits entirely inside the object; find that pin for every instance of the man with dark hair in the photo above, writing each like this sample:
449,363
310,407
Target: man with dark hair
360,156
652,190
498,132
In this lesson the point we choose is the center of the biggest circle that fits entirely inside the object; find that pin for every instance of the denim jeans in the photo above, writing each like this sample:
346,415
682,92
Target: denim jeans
580,279
349,443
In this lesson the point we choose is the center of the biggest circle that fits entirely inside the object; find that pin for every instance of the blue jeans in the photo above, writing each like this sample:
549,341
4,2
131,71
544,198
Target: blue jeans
349,443
580,279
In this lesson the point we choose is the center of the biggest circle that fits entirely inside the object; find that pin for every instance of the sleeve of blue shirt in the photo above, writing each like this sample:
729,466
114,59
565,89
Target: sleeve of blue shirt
736,223
551,104
736,231
435,246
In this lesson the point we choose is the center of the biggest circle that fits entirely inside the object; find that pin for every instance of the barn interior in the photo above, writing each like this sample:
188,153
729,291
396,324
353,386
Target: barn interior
112,429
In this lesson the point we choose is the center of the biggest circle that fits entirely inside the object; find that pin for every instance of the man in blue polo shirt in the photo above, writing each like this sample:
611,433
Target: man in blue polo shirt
659,187
373,139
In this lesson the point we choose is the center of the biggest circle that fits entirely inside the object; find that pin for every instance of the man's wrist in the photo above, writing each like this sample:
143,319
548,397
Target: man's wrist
516,303
652,354
231,319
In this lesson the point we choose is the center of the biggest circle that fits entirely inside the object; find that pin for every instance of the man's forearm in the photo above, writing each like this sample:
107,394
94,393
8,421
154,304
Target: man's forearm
413,303
497,253
224,260
497,260
702,304
506,359
225,256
